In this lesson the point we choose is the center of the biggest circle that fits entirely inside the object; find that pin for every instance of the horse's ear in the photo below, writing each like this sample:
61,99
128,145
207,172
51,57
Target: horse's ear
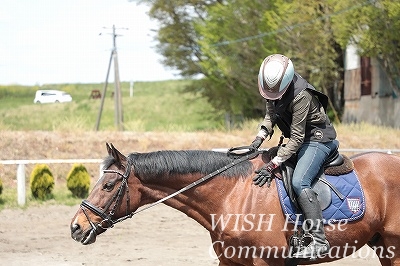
116,154
109,149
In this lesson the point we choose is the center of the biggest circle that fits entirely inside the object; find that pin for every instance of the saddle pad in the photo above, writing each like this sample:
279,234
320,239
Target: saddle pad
350,209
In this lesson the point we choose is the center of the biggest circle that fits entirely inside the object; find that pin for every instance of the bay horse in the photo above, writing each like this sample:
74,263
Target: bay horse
246,222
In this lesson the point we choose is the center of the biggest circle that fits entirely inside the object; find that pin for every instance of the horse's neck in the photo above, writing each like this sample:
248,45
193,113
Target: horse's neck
215,197
199,202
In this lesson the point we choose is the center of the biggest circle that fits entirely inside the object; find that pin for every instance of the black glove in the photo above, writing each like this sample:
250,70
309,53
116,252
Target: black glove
264,174
257,142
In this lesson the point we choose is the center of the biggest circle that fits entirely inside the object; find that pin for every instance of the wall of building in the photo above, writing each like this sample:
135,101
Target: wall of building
377,111
381,107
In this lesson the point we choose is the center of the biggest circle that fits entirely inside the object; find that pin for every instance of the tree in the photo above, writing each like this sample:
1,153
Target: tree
231,63
203,37
303,30
225,42
373,26
177,38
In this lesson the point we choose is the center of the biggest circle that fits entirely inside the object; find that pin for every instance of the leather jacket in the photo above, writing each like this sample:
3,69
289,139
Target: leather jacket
300,115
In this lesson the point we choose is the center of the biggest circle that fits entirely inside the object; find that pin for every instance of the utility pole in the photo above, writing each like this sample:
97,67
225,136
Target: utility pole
117,88
131,89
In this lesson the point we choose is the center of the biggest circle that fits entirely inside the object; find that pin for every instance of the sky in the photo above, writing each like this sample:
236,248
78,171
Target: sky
54,41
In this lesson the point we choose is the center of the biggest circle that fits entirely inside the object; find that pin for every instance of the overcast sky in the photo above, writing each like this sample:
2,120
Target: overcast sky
54,41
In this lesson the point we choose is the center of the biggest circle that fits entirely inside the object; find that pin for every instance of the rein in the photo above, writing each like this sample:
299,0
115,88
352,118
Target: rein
246,157
108,218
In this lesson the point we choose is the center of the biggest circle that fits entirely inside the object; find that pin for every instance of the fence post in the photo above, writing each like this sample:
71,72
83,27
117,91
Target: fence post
21,184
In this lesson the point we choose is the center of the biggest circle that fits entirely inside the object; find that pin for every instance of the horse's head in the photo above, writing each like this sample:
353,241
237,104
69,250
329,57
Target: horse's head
114,197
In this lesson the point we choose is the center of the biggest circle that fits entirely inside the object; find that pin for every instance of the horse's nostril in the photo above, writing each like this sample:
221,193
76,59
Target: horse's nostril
74,227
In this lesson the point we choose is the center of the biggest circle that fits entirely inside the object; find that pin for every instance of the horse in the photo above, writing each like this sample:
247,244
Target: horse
245,222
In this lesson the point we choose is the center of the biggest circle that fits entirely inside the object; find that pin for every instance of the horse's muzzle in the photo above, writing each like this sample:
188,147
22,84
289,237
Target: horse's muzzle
85,237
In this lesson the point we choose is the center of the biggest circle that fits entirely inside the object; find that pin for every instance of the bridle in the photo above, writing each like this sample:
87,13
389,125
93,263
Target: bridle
108,221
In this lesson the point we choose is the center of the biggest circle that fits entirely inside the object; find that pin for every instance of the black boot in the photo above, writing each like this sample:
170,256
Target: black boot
312,212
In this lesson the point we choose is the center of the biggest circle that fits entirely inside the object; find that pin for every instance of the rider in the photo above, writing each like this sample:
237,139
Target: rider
299,111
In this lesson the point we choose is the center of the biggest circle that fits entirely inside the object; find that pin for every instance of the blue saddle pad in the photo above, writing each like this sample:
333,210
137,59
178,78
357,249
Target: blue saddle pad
351,208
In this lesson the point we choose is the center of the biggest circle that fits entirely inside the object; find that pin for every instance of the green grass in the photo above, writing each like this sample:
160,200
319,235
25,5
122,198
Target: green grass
60,195
155,106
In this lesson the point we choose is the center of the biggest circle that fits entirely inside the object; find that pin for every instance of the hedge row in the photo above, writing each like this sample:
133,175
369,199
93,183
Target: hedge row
42,182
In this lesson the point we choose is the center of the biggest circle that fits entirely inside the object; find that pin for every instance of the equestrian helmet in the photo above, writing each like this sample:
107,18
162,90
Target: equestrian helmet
276,74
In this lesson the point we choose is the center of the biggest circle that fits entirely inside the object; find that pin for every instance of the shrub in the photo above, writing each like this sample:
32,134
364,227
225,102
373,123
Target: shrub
78,181
41,182
1,187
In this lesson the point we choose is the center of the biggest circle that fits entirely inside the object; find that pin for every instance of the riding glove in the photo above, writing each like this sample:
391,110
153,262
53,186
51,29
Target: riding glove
264,174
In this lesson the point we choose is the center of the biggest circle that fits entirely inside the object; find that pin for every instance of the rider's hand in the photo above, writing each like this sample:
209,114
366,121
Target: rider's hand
257,142
264,174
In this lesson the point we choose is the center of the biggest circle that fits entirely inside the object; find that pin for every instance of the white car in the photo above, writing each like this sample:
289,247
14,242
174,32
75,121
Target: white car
52,96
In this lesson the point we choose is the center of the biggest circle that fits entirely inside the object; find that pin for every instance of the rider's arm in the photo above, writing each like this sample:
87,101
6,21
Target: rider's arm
268,123
300,108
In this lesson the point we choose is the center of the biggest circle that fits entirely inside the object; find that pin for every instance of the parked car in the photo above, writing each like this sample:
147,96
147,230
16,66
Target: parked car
52,96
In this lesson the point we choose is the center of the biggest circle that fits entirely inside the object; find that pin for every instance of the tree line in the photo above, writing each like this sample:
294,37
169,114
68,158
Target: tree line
224,42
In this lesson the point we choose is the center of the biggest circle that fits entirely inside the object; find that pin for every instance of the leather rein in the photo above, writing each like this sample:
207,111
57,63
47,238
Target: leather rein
108,220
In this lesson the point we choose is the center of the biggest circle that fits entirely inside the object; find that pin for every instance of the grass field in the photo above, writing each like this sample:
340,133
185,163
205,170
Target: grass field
159,116
155,106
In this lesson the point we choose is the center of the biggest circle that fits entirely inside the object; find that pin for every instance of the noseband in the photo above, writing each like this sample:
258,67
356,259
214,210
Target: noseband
107,217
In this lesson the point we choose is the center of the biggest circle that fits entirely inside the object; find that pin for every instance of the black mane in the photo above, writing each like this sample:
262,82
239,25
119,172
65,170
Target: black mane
153,165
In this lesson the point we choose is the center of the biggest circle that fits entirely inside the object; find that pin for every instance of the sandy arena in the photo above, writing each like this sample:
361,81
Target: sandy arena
157,236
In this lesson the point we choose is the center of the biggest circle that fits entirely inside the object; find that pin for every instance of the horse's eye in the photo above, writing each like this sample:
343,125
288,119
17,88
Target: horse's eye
108,186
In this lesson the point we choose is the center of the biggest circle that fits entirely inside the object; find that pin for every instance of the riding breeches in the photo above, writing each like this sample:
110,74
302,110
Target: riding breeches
310,159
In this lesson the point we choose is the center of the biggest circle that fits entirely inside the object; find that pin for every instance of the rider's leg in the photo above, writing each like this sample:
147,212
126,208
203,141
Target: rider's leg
311,157
314,224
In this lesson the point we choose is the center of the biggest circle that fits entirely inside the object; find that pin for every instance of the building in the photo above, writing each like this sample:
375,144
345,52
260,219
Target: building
369,96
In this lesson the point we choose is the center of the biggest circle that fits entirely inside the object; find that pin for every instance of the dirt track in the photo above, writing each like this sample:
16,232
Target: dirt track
158,236
162,236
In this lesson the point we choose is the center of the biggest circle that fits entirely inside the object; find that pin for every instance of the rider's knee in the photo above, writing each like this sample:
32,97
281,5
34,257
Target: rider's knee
297,187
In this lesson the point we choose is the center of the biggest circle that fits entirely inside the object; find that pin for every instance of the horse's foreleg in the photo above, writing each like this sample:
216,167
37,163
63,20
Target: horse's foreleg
291,262
387,251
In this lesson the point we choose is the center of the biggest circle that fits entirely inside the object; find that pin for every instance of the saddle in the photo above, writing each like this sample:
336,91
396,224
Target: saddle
335,165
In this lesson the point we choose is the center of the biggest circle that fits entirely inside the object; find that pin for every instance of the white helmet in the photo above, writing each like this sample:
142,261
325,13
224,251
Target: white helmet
276,74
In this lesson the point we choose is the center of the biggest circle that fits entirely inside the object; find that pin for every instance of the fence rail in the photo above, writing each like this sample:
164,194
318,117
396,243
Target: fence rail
389,151
49,161
21,179
21,191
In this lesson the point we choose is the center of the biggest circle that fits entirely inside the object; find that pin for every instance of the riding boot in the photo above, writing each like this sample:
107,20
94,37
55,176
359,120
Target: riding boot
312,212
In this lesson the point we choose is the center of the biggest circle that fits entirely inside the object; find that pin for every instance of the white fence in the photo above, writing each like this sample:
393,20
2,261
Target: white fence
389,151
21,190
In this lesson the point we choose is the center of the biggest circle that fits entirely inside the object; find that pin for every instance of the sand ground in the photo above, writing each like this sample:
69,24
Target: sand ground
157,236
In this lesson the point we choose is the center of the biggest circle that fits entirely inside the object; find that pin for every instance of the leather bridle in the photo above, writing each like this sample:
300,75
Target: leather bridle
108,216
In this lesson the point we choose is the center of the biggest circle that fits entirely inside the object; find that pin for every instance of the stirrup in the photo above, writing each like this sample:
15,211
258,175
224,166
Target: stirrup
312,250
